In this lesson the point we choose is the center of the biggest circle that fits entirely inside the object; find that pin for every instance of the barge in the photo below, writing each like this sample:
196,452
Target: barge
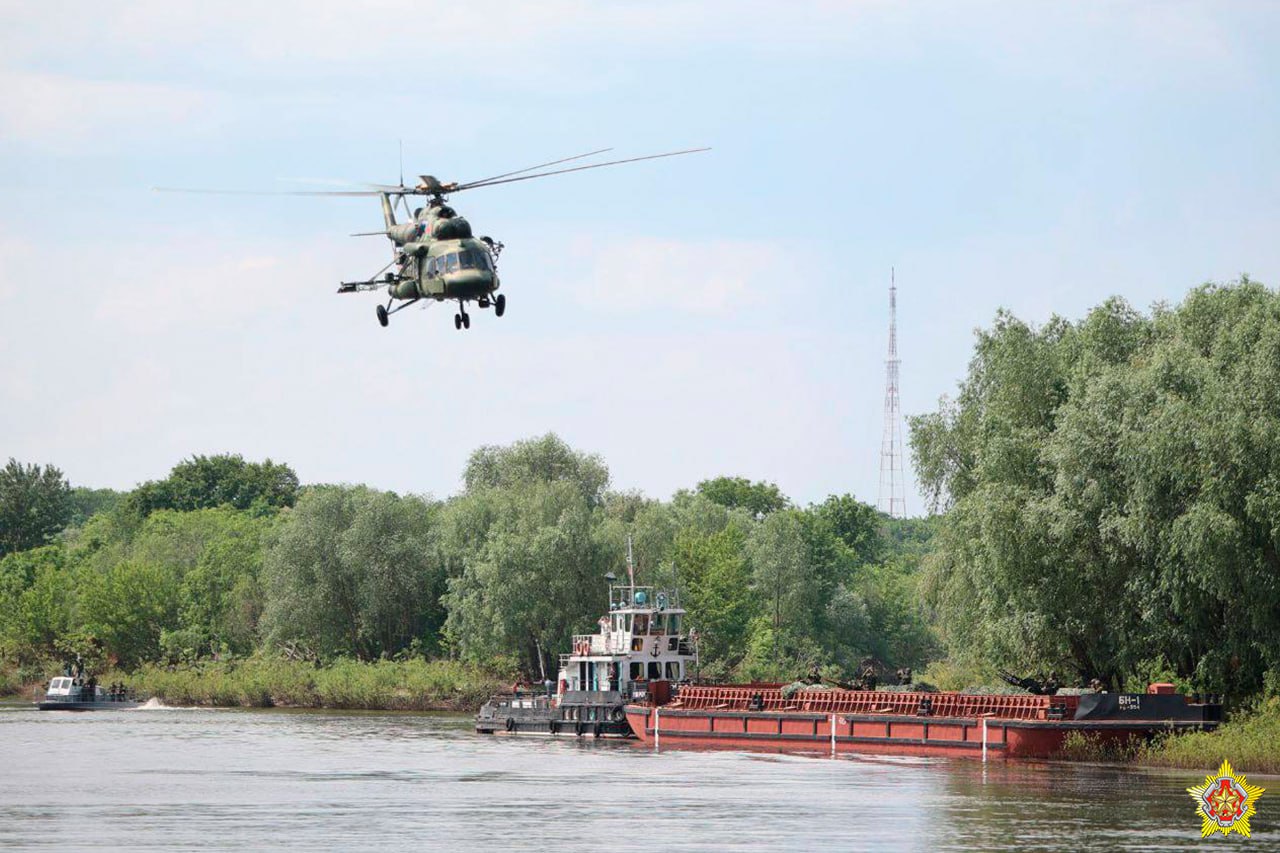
881,722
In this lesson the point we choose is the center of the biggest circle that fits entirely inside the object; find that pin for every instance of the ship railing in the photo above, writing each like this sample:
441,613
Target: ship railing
838,701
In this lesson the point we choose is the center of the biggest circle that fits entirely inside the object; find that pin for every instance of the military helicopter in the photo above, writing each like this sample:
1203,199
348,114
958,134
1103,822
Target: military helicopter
434,253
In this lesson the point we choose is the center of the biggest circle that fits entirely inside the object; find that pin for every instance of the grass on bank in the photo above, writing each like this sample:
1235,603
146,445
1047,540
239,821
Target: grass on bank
411,685
1250,739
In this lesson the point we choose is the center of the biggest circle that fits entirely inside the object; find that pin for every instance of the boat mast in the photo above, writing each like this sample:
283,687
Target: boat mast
631,571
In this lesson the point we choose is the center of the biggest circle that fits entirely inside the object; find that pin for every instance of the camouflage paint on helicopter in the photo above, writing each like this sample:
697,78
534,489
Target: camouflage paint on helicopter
437,258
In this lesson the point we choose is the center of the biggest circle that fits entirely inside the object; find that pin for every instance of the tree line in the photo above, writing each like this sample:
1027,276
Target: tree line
1110,491
1107,497
227,558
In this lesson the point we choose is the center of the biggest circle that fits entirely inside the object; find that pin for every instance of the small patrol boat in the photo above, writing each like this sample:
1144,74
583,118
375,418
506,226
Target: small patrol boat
640,654
68,693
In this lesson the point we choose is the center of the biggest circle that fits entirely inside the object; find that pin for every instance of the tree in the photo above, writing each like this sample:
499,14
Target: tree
36,597
716,588
353,571
856,524
35,505
87,502
537,460
533,578
205,482
1113,490
760,499
128,608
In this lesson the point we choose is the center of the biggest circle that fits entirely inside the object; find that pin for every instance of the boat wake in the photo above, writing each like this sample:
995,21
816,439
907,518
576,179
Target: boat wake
154,704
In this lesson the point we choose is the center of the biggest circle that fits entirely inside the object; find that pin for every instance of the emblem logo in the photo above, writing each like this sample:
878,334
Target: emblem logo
1225,802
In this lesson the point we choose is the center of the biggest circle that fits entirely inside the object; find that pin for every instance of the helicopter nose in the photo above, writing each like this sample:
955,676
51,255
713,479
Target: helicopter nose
470,282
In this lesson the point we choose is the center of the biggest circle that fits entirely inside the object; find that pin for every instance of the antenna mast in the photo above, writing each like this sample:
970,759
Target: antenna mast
893,499
631,569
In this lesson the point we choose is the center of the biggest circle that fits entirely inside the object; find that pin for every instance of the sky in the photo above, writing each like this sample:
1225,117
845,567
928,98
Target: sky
722,313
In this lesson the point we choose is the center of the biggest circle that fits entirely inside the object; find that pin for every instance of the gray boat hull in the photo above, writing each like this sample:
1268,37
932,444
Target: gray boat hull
109,705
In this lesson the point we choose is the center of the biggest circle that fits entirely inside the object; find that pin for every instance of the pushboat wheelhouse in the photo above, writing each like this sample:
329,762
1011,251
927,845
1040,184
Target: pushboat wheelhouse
639,653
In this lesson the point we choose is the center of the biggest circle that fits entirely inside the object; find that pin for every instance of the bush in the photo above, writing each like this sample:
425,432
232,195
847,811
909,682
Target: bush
1250,739
410,685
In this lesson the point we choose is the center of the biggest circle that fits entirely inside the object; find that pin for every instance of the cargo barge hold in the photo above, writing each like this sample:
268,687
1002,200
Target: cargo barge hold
957,725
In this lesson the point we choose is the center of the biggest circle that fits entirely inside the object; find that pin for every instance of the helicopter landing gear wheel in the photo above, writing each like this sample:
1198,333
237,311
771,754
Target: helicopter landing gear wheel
500,304
382,316
466,320
457,321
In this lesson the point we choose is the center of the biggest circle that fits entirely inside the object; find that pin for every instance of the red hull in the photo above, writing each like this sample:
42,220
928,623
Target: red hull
953,726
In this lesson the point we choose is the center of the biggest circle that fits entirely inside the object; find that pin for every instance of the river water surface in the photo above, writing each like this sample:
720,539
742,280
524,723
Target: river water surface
178,778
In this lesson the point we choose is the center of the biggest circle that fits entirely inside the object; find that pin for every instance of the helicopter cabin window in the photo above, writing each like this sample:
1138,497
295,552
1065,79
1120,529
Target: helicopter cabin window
431,268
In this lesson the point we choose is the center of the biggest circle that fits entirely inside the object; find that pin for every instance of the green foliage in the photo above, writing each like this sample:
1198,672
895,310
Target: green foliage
533,579
36,595
538,460
206,482
759,499
409,685
212,566
716,584
86,503
128,607
859,526
35,504
352,571
1114,492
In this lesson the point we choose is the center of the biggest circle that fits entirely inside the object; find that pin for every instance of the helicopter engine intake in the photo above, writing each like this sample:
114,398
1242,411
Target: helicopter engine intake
406,233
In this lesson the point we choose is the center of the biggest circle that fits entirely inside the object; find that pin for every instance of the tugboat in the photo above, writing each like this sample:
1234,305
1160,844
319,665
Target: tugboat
639,655
72,693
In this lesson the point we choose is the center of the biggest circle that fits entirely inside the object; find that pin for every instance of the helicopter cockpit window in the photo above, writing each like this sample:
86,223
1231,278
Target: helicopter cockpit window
466,260
451,260
431,268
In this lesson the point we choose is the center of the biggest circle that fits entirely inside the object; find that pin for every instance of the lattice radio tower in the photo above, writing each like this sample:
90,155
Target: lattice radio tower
893,499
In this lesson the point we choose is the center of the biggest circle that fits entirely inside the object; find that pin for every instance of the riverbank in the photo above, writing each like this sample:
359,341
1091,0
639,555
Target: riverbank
1250,739
412,685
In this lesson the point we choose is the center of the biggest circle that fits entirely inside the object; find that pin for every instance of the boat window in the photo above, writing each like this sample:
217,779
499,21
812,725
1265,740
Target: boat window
673,670
637,671
673,623
658,624
655,671
627,621
641,625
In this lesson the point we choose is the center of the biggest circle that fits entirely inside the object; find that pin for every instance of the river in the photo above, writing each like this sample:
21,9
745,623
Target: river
238,779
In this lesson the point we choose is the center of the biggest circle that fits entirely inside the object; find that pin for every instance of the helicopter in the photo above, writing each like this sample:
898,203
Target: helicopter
435,256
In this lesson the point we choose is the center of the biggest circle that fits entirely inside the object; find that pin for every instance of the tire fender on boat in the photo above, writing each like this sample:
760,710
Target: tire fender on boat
511,724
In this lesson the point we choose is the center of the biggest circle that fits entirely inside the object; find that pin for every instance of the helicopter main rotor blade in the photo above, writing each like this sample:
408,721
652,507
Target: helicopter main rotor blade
539,166
268,192
494,181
